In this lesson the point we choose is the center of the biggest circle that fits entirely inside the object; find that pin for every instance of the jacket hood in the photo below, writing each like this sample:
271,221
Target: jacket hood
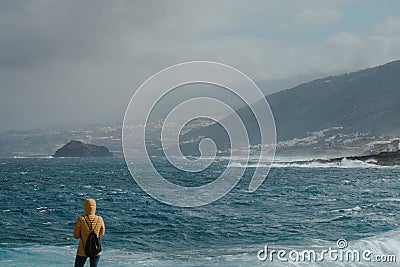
89,206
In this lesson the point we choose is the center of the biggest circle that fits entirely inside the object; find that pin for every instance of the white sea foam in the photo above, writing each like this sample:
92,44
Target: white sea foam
33,157
344,163
385,244
37,255
391,199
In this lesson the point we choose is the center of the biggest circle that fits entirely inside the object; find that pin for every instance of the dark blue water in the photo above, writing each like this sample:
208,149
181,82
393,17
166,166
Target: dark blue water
41,198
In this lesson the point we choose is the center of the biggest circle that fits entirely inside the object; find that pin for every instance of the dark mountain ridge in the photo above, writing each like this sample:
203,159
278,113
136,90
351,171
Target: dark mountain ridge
365,101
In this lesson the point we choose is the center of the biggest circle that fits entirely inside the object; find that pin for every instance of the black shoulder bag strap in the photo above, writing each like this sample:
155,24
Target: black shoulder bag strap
90,227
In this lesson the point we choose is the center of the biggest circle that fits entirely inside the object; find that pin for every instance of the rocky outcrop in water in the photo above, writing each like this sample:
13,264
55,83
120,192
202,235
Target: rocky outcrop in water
79,149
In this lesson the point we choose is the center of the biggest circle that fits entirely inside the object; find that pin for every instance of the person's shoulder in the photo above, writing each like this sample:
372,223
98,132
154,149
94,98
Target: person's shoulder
80,218
100,218
79,221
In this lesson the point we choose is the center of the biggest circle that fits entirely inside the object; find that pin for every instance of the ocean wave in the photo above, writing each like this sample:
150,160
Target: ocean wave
40,255
33,157
344,163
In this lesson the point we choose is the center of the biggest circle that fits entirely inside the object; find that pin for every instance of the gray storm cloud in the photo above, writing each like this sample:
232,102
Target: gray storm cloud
65,63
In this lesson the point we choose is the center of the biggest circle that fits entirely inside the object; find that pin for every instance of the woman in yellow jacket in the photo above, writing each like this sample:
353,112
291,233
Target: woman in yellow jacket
82,231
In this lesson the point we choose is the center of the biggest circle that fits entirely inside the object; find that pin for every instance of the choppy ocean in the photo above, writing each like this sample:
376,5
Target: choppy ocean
297,207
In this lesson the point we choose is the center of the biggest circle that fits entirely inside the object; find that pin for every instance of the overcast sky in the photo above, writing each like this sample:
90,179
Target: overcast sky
70,63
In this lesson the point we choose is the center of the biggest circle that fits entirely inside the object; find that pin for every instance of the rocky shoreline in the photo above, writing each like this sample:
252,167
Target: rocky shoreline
381,159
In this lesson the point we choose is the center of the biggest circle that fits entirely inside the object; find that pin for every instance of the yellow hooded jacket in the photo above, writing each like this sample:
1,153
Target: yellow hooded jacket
82,230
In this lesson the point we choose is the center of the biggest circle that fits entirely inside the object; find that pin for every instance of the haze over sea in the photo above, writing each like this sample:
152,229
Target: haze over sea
296,207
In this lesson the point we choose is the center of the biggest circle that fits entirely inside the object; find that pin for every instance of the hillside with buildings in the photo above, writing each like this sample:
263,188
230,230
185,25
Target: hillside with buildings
349,110
365,101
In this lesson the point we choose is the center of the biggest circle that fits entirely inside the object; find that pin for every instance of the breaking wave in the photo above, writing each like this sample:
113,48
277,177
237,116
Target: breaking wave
382,244
344,163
